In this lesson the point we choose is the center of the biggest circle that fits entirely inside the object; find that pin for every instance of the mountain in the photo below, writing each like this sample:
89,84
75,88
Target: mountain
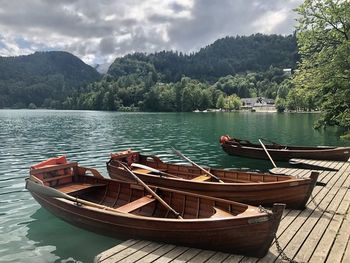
226,56
42,79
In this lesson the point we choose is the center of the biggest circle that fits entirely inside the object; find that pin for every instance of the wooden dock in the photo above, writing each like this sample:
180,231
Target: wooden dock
320,233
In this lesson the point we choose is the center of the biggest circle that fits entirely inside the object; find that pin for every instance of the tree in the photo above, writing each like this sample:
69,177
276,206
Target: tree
220,103
232,102
280,104
323,36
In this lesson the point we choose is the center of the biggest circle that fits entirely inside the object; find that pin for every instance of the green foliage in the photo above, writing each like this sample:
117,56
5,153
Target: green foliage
226,56
345,136
216,76
232,102
220,103
43,79
280,104
324,76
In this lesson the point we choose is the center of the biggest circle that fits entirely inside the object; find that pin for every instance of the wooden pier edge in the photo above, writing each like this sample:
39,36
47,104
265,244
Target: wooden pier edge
319,233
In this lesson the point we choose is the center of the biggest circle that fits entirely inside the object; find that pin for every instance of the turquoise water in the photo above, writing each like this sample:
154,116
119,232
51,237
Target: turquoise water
30,234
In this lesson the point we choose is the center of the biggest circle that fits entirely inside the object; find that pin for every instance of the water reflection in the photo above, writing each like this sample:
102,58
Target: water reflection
56,240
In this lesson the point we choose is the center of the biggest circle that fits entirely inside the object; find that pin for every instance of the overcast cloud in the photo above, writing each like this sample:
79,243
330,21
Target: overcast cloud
98,31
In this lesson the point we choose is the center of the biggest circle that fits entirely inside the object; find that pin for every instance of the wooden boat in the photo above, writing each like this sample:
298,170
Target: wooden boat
246,187
126,210
245,148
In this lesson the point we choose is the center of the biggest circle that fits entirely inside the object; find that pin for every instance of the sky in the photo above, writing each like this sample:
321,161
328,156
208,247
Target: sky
98,31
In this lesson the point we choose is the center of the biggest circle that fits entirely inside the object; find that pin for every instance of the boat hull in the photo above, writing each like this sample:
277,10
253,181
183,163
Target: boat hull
293,192
252,238
254,151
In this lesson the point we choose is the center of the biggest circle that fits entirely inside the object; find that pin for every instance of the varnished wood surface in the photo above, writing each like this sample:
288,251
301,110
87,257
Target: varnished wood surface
246,187
284,152
126,210
320,233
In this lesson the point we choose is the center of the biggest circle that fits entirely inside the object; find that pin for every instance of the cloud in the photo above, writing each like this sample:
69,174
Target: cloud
99,31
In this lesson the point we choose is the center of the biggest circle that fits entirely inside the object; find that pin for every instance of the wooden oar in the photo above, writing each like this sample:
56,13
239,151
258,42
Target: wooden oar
153,170
275,143
52,192
267,153
178,153
150,190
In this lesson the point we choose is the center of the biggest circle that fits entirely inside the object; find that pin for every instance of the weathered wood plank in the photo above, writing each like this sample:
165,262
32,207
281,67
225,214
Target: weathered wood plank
346,255
187,255
296,227
325,245
172,254
143,252
233,259
158,253
128,251
218,257
329,203
202,256
342,238
110,252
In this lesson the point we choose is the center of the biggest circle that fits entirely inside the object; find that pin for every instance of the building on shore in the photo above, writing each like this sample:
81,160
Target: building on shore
260,104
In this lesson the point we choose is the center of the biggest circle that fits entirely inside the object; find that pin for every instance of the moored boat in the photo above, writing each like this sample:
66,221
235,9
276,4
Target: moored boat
126,210
278,152
246,187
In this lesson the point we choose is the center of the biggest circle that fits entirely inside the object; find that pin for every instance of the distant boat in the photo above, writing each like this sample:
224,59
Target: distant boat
246,187
127,210
278,152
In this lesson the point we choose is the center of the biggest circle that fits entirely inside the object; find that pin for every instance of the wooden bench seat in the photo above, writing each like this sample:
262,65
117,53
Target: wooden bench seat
201,178
74,187
134,205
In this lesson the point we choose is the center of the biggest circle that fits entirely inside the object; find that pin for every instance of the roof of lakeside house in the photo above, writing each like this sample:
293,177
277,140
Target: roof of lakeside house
259,101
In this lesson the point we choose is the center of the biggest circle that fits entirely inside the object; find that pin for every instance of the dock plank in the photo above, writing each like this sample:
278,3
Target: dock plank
110,252
158,253
346,254
172,254
341,240
202,256
329,204
299,227
325,245
187,255
217,257
140,254
128,251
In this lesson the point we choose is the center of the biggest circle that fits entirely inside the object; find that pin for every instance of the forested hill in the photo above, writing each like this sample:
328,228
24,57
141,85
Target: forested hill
42,79
226,56
216,76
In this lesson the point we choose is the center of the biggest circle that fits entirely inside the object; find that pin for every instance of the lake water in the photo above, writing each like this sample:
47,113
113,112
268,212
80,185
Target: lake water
30,234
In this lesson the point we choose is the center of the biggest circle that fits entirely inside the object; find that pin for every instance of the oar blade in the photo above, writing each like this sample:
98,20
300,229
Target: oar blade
141,166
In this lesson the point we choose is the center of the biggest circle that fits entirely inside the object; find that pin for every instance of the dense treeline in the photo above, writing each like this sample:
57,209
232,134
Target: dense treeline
43,79
226,56
215,77
142,91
